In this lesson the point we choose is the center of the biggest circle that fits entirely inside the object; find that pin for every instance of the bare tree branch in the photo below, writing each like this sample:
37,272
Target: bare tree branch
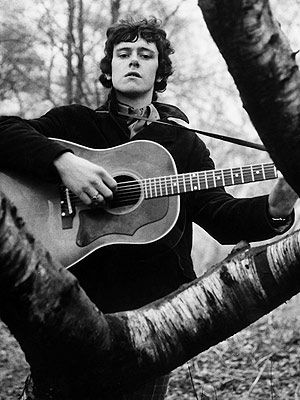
263,66
42,304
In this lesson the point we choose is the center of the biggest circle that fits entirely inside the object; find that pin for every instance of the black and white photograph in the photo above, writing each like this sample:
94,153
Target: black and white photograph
149,213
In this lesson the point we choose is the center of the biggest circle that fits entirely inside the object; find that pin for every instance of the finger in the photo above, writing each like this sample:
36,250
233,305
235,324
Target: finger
85,198
104,190
108,180
95,196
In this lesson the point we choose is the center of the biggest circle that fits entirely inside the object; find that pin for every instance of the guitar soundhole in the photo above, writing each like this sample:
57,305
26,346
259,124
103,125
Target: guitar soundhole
127,196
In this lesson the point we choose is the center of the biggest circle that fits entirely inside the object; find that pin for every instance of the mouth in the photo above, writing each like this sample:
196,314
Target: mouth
133,74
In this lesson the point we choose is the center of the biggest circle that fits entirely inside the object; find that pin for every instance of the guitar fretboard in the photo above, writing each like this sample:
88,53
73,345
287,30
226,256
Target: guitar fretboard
193,181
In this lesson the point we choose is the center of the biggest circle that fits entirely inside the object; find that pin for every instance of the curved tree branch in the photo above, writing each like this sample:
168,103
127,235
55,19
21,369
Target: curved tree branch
75,350
264,69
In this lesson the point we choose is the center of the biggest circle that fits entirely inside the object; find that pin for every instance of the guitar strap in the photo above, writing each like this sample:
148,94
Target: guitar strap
230,139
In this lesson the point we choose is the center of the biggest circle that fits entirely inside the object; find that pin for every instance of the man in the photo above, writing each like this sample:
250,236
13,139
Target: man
137,65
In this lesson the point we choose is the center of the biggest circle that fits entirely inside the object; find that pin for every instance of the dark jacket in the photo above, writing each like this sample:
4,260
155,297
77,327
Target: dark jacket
125,277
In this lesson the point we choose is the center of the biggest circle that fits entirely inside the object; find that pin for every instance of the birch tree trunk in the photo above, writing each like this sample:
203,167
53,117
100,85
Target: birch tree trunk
115,10
263,66
80,54
69,56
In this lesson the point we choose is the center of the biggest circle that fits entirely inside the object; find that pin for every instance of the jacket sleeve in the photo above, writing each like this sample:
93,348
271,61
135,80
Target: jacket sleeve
25,145
226,218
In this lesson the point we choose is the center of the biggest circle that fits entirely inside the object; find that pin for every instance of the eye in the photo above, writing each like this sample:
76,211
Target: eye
122,55
146,56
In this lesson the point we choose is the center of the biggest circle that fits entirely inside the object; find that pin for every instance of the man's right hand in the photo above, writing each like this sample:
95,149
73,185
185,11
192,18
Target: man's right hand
85,179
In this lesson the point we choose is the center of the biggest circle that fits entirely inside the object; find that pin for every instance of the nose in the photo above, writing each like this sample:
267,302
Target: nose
134,62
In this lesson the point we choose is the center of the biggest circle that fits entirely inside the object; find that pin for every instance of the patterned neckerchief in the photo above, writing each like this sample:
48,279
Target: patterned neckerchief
135,125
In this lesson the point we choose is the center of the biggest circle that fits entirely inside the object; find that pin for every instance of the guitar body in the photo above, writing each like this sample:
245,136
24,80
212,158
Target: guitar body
72,231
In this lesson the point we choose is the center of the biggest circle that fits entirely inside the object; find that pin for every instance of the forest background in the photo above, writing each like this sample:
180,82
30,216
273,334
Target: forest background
49,56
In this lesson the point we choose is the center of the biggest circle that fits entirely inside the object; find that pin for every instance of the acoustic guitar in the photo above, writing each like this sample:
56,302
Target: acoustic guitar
144,209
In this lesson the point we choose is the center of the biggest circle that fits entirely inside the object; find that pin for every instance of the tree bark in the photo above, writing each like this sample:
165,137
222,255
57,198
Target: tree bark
263,66
69,56
76,352
115,10
80,54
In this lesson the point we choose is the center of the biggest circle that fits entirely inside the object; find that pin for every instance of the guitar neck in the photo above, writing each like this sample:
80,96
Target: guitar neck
195,181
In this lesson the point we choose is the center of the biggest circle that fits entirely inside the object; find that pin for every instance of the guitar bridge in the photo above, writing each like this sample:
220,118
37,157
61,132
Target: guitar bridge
67,208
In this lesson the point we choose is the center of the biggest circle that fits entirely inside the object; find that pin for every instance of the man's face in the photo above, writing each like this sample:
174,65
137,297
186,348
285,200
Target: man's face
134,66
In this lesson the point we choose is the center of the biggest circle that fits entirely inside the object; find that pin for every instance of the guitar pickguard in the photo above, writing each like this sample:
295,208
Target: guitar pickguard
100,223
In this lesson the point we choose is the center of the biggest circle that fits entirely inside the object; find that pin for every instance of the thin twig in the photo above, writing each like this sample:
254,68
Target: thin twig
258,377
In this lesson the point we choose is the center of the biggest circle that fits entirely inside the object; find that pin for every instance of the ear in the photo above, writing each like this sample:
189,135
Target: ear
158,79
108,77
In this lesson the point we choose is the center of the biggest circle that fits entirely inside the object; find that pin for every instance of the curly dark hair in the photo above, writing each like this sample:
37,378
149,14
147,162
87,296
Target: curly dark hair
130,30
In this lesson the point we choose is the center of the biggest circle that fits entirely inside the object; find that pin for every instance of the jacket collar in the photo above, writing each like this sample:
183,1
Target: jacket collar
169,111
165,111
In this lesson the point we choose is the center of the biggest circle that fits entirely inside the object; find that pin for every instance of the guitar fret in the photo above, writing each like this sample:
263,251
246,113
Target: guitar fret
242,175
214,178
232,178
169,185
165,185
247,176
175,185
210,179
271,171
257,172
237,179
184,184
194,181
263,171
155,187
198,180
252,174
219,178
160,187
150,187
203,180
189,182
206,180
180,188
227,177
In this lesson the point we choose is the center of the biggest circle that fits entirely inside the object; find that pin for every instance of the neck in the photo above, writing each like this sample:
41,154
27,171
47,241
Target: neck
135,102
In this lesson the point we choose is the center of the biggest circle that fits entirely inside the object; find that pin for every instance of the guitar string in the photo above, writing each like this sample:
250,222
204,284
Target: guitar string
265,168
170,179
164,188
128,191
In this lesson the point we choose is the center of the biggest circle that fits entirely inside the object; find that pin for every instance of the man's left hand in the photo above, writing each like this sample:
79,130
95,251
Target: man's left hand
282,199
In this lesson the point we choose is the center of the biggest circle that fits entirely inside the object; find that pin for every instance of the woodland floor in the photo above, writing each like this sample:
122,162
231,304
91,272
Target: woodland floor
260,363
